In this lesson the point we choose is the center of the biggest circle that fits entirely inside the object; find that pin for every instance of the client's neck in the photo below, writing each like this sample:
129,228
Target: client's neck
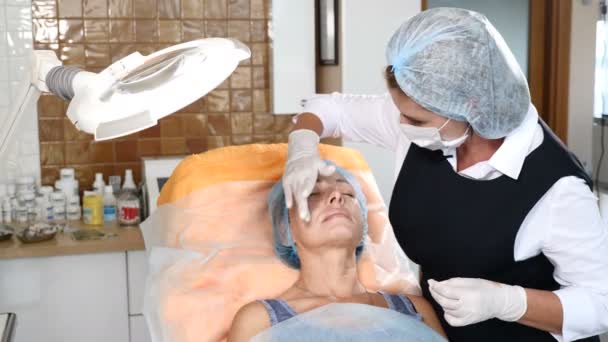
331,273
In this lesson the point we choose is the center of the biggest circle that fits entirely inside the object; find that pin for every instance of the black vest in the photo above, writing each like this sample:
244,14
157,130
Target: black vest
453,226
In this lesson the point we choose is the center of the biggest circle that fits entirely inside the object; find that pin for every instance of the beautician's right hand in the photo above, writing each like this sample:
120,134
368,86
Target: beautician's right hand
302,169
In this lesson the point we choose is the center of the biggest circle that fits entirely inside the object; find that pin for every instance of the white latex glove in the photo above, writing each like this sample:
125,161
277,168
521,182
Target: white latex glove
468,300
302,169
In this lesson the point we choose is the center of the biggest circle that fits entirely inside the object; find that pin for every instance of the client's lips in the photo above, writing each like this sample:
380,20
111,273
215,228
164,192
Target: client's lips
336,213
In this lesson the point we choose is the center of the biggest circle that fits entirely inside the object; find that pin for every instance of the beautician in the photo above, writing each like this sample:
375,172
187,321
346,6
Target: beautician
497,212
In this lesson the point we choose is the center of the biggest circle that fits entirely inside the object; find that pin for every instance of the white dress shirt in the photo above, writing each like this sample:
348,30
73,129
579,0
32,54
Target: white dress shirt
565,224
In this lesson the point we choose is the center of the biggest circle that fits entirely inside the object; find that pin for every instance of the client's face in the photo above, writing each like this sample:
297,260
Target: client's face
336,219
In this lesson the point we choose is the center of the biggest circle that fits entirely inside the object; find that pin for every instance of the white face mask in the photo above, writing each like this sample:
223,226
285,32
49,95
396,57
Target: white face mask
429,137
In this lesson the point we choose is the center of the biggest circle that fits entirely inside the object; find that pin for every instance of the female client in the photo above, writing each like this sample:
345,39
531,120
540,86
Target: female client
326,250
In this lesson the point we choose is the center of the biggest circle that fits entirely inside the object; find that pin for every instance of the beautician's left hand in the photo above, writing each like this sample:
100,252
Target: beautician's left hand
469,300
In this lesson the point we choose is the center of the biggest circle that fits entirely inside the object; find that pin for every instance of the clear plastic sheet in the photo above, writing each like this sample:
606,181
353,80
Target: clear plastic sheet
210,249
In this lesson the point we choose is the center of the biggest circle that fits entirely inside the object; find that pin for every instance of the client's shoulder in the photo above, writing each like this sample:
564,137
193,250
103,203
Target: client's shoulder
419,302
248,322
426,311
421,305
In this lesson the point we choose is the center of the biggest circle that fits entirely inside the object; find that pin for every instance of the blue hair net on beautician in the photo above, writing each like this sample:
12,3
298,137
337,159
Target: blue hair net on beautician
350,322
284,245
453,62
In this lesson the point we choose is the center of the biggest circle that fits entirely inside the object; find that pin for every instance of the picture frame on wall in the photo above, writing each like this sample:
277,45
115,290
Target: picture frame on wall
327,28
155,173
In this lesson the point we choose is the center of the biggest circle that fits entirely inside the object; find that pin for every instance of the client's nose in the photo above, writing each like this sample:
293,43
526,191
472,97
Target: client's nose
336,197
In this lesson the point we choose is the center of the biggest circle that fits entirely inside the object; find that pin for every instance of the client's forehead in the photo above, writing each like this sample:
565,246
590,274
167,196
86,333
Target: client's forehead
333,178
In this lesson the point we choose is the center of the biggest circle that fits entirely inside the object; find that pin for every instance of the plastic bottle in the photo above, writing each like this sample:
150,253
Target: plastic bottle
128,202
99,185
14,205
73,200
73,210
7,210
115,182
109,205
2,197
27,198
11,193
58,199
46,191
58,202
26,184
11,190
73,213
22,214
92,208
46,206
129,183
40,210
69,188
30,205
67,182
67,174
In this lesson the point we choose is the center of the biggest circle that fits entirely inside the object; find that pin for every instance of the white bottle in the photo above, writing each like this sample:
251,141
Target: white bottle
69,188
99,185
3,191
11,190
109,205
48,211
58,202
73,212
2,197
26,184
115,182
73,200
22,213
7,210
67,174
46,206
46,191
128,202
40,209
129,183
28,200
68,183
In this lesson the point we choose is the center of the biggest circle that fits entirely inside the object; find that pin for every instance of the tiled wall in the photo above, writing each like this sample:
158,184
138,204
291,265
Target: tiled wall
94,33
21,156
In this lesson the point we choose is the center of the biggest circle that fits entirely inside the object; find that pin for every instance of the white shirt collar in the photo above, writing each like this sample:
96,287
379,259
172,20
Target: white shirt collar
510,156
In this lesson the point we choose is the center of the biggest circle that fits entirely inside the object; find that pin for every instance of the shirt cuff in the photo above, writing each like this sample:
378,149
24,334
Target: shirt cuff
581,316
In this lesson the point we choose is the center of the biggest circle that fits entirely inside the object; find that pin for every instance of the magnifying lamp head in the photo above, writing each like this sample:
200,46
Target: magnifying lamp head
135,92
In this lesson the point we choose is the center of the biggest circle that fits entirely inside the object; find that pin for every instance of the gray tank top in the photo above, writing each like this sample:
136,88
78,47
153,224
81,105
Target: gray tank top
279,310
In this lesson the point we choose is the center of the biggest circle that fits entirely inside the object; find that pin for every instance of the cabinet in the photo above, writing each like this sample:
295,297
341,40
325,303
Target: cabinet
67,298
136,272
138,329
85,297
